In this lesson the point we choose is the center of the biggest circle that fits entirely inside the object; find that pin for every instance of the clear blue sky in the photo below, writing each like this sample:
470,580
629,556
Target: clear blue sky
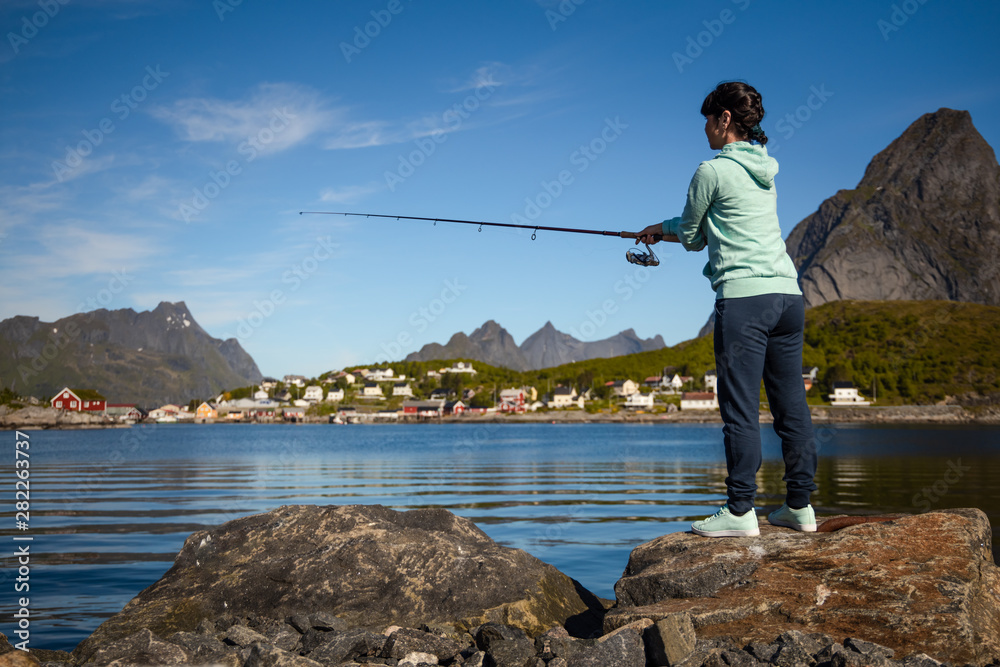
162,151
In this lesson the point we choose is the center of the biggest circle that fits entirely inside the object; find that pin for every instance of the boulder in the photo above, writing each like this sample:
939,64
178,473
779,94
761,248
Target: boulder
17,658
38,417
365,564
142,648
670,640
916,584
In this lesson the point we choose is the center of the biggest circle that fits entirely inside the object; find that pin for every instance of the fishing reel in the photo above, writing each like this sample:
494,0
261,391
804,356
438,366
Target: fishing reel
642,258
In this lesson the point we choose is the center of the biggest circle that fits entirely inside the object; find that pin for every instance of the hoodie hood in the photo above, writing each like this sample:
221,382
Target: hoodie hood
754,159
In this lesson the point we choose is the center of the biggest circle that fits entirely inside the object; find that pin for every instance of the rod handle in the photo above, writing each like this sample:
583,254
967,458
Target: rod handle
634,235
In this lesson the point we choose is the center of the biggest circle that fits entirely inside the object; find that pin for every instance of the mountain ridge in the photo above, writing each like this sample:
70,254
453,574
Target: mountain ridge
492,344
148,357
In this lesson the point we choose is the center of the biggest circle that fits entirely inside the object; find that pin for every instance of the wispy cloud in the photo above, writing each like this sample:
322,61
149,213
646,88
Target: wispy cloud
76,249
492,74
347,194
364,135
278,115
521,88
20,204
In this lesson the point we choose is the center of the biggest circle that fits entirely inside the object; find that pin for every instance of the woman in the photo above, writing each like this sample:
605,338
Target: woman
759,314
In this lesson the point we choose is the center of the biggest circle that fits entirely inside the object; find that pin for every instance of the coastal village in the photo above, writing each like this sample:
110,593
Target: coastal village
380,395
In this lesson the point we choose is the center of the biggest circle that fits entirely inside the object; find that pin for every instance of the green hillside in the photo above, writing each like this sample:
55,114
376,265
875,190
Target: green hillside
911,352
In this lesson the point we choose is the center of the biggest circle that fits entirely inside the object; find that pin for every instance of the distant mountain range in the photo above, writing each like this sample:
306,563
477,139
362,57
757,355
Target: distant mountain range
149,358
547,347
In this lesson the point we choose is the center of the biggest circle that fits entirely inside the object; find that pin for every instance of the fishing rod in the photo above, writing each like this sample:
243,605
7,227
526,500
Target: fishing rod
641,258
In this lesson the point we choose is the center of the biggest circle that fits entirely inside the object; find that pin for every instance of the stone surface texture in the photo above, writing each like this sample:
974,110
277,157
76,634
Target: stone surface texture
368,565
918,584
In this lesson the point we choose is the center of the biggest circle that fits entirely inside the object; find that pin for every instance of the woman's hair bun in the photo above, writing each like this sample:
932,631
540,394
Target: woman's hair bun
744,103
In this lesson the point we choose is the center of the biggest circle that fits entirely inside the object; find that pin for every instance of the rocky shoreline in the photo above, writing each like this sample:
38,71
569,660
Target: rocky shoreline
360,586
322,640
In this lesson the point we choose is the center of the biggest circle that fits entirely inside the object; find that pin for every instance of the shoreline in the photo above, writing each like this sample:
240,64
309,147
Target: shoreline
931,415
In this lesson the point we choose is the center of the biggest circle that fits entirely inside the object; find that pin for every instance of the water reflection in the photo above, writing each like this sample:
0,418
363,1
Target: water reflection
579,497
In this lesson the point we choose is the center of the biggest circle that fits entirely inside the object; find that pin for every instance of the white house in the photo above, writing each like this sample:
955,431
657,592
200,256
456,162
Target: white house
639,401
314,393
261,393
845,393
460,367
297,380
513,396
268,383
564,397
169,410
624,387
711,381
348,377
380,374
699,400
335,395
402,389
372,390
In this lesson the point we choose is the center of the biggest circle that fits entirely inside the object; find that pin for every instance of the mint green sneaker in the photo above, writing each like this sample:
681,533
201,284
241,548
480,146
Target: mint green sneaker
803,519
725,524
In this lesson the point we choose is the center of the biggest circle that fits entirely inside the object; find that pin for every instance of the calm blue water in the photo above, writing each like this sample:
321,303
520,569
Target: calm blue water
111,508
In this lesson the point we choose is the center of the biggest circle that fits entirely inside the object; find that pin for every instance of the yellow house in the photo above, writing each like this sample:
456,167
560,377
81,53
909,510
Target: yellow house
206,411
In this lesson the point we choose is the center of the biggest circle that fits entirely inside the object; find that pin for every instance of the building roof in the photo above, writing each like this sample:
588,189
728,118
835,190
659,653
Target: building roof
562,391
423,404
697,396
843,385
84,394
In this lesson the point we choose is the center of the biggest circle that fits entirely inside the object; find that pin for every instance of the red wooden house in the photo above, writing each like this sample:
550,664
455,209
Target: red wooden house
79,400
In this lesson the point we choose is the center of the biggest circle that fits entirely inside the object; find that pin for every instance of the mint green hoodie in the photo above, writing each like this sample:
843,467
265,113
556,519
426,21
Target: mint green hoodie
732,208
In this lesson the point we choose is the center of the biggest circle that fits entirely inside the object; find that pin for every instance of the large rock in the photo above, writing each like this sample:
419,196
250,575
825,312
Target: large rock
369,565
918,584
35,416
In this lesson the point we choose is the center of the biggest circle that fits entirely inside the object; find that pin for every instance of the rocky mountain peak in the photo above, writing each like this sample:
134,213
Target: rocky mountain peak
488,331
923,223
943,145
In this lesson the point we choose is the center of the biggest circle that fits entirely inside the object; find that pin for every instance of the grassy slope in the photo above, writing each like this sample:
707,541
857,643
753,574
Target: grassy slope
916,351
